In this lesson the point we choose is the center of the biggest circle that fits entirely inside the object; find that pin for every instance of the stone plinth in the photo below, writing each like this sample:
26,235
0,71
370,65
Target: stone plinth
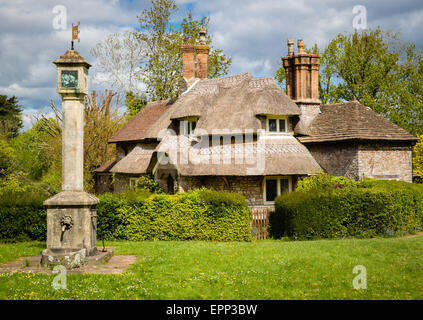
71,228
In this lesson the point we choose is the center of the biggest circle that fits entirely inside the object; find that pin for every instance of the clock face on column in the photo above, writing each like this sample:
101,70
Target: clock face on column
69,79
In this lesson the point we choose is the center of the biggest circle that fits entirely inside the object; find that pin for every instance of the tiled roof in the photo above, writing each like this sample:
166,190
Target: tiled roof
352,121
137,127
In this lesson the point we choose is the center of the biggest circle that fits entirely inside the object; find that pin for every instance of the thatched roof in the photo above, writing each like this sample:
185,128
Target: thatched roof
137,127
228,103
136,161
105,168
271,156
352,121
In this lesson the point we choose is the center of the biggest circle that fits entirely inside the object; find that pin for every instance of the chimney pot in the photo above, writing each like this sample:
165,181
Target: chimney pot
202,33
290,43
300,45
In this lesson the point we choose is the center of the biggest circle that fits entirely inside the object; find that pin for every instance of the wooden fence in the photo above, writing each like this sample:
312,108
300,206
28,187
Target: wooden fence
260,222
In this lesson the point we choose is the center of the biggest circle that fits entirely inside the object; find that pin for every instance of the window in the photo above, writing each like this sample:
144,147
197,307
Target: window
271,189
188,126
133,183
277,124
275,186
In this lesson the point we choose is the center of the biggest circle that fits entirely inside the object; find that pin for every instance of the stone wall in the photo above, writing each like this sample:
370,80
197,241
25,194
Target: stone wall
250,187
103,183
386,161
338,159
121,182
389,161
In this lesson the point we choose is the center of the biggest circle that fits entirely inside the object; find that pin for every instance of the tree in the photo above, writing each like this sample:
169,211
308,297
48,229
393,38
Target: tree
134,104
119,58
10,116
418,157
102,121
163,71
151,56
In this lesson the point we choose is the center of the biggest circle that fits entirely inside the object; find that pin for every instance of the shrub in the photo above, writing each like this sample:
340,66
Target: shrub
23,217
196,215
147,183
369,208
139,215
110,223
324,181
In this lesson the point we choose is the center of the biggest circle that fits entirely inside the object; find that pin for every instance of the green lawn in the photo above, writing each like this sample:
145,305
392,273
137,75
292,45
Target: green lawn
257,270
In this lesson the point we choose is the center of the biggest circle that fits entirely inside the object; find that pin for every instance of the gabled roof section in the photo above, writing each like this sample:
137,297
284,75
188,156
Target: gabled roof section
137,127
352,121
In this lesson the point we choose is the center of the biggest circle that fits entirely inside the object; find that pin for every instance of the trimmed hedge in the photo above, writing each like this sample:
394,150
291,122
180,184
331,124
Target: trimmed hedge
23,217
139,215
371,208
197,215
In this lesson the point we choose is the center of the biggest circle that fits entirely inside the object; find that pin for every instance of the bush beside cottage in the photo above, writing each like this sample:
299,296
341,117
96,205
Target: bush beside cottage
198,215
335,207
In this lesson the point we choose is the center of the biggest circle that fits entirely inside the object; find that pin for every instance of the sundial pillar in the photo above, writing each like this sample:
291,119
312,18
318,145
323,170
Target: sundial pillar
71,214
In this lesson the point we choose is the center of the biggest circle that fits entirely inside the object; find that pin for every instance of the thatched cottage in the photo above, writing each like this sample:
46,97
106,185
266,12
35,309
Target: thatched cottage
244,134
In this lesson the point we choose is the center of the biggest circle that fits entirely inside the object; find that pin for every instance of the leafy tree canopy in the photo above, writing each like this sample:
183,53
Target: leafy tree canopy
10,116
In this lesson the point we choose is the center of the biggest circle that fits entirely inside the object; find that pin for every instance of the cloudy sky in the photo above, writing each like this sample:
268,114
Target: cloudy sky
252,32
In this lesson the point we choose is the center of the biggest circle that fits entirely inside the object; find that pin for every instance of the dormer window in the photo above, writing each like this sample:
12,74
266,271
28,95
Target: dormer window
277,124
188,126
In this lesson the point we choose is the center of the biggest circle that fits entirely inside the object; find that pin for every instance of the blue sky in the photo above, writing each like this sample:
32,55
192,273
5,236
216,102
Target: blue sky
252,32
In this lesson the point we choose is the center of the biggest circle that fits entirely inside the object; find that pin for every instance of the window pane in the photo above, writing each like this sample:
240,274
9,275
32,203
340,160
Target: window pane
272,124
284,185
271,190
188,128
194,124
282,125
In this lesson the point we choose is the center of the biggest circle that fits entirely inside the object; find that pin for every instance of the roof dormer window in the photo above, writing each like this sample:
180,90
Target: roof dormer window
188,126
277,124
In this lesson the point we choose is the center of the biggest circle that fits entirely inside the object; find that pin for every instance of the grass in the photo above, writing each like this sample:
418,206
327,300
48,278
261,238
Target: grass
235,270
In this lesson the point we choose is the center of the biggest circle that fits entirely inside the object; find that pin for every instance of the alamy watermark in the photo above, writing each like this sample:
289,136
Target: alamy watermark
59,281
60,17
360,18
360,281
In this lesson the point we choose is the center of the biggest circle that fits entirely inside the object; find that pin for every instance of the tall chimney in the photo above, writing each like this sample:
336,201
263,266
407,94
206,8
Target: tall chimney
188,62
302,80
202,51
302,74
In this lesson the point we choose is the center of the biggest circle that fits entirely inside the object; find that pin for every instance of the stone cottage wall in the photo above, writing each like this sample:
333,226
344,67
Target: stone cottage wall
250,187
121,182
385,161
103,183
338,159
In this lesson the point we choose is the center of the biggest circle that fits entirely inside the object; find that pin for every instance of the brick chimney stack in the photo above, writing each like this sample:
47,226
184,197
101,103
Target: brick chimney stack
195,59
202,51
188,61
302,79
302,74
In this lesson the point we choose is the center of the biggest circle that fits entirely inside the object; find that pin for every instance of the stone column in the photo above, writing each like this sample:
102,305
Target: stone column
73,145
71,214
